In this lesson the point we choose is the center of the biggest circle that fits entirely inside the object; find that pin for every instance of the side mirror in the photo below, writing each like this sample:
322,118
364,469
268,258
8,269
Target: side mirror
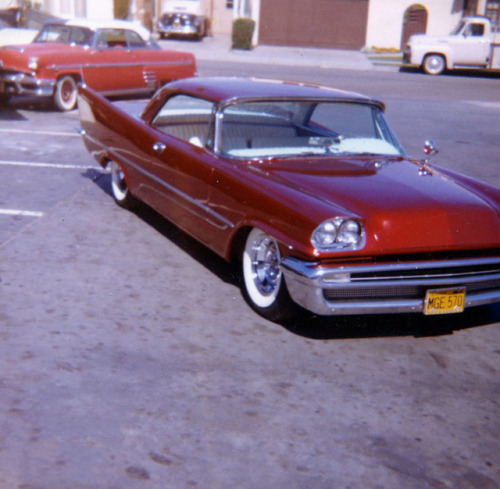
430,148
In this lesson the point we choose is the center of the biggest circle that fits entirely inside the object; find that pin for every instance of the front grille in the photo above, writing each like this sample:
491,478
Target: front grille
437,272
411,281
355,293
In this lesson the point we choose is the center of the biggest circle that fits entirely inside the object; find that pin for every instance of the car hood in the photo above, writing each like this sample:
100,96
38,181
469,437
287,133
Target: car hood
420,39
403,209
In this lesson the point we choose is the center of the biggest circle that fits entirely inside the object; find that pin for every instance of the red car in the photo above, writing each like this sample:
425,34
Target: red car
310,190
116,58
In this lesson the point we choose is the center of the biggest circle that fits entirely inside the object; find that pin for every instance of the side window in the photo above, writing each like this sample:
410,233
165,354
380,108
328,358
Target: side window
187,118
135,41
112,38
475,30
80,35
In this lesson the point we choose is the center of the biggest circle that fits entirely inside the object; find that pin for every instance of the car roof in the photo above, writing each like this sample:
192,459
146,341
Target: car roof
222,90
94,24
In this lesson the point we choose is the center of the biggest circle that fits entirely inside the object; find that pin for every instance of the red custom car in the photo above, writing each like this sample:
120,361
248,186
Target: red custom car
116,58
310,190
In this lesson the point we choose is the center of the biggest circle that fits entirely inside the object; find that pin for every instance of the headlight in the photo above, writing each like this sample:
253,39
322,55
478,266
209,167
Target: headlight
338,234
33,63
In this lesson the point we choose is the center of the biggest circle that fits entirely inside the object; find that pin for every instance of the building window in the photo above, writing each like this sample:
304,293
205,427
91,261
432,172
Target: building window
493,12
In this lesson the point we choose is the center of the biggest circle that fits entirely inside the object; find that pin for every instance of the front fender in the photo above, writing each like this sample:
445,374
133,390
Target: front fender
420,51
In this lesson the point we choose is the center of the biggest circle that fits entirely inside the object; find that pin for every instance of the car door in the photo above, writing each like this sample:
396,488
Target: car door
472,47
112,68
182,166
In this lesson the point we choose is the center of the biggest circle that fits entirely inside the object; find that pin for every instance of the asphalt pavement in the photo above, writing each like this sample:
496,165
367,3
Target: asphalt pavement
219,48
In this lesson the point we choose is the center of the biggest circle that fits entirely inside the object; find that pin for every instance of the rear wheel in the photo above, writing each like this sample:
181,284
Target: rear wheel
263,281
119,187
434,64
65,93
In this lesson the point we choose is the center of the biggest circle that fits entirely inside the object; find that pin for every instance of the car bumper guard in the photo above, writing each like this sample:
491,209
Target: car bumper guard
23,84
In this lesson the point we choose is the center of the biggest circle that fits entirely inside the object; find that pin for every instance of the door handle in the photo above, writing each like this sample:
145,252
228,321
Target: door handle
159,148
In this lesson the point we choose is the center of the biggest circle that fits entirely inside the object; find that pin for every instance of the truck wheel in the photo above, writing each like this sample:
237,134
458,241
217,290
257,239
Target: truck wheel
119,187
434,64
263,282
65,94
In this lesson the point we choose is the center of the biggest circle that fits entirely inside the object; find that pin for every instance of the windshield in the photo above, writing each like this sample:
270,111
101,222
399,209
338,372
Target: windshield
65,34
304,127
458,28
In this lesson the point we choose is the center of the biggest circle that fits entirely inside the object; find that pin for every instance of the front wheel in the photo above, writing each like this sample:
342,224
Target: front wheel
65,93
119,187
434,64
263,281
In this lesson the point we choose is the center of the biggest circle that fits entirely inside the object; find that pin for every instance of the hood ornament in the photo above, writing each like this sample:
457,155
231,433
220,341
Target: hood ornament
429,150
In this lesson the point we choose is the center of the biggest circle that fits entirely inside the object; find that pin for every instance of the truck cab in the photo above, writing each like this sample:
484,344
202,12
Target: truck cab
473,44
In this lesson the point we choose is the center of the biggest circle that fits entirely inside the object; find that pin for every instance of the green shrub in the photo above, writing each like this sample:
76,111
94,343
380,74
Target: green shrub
242,33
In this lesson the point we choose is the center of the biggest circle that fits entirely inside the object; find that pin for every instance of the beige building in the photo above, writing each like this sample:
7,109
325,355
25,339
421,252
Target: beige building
391,22
338,24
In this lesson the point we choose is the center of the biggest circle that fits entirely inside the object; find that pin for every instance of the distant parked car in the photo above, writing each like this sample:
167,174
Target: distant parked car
309,190
15,35
115,58
182,25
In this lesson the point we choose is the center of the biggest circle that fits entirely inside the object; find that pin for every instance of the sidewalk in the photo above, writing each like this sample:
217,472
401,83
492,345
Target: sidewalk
218,48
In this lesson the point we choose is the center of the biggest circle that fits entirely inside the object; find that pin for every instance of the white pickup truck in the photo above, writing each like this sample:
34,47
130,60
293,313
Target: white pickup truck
473,44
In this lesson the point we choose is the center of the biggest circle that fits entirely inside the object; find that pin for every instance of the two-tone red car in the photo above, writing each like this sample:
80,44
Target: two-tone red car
308,188
115,58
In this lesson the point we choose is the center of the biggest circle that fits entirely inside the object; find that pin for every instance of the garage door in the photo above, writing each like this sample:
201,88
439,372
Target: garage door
339,24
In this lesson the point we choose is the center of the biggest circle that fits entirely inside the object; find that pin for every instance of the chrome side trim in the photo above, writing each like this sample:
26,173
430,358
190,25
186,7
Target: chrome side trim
80,67
308,284
202,210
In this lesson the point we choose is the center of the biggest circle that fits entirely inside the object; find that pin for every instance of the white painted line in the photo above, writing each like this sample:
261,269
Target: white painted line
42,133
48,165
485,105
16,212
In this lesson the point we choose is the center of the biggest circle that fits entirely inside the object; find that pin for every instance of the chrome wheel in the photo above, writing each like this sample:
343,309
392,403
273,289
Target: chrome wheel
262,276
65,94
434,64
119,187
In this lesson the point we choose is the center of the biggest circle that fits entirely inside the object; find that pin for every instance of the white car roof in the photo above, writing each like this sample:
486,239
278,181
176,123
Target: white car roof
94,24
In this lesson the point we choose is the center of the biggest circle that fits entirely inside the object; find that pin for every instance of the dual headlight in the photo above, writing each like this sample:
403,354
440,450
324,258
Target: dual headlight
338,234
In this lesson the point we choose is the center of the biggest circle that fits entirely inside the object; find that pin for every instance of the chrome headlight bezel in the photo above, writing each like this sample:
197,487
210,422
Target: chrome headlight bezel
339,234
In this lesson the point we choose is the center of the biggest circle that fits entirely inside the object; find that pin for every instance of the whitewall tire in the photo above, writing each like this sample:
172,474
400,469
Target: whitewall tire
263,281
66,93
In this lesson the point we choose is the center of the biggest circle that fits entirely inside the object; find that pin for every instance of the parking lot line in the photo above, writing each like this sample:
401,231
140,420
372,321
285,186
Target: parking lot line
43,133
48,165
17,212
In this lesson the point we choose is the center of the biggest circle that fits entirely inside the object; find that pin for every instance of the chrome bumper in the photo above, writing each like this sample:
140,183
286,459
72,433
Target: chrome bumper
186,30
388,287
23,84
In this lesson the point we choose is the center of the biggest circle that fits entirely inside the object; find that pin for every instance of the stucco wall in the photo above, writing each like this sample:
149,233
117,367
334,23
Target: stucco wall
385,20
7,4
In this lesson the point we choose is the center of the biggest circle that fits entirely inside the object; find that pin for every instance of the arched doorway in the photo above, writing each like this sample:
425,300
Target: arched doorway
414,22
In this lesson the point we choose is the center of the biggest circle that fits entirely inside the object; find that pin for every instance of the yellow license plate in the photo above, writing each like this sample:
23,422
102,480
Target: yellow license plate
444,301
